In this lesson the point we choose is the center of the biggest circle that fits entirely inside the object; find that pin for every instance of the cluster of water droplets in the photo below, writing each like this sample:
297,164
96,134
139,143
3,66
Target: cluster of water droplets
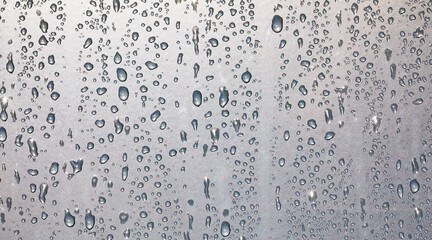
215,119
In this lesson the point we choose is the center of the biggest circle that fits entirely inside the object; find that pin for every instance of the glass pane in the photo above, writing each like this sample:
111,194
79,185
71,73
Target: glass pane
215,119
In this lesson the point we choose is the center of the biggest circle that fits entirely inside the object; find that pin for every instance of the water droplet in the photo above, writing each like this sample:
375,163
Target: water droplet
69,220
197,98
414,186
225,229
246,77
277,24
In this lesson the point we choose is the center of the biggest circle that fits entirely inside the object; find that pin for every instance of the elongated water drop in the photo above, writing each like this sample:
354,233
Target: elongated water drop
3,134
43,190
151,65
400,191
418,101
414,186
225,229
121,74
197,98
123,93
117,58
32,147
10,67
155,115
104,158
329,135
223,97
69,220
277,24
88,42
43,25
89,220
116,5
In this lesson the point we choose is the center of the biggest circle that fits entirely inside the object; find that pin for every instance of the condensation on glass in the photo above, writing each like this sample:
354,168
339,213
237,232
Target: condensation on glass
215,119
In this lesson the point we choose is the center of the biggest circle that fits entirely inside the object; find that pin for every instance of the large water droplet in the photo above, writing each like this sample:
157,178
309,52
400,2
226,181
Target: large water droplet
69,220
277,24
225,229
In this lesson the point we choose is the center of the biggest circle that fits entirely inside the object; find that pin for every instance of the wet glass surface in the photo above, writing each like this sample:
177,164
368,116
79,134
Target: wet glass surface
204,119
